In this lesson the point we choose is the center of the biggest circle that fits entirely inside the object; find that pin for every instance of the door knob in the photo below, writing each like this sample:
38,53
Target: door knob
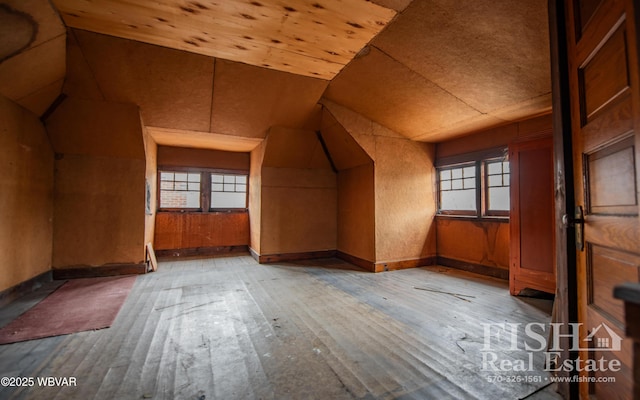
569,221
576,221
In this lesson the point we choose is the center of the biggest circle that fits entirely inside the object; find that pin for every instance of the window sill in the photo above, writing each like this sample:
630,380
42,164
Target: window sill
474,218
214,211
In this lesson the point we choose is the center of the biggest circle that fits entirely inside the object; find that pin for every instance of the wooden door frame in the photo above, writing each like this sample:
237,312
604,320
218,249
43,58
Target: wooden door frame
566,297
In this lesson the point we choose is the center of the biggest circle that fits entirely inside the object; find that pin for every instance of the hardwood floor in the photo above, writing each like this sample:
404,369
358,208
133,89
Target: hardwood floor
230,328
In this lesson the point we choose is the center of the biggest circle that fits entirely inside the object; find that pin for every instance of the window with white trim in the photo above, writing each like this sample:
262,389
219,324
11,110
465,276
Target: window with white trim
228,191
179,190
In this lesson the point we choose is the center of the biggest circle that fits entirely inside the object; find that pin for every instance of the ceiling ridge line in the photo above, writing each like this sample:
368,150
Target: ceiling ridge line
93,74
428,80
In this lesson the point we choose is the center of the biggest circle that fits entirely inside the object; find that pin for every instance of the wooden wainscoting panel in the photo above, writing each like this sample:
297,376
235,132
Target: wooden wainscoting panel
168,233
193,230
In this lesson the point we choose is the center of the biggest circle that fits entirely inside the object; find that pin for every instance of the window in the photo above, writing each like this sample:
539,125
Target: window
475,185
179,190
458,189
228,191
497,187
193,190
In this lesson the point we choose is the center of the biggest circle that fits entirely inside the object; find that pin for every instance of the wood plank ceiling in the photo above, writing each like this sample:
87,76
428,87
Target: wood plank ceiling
429,70
311,38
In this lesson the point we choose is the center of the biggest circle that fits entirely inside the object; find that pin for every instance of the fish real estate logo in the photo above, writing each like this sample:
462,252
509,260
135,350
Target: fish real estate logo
538,337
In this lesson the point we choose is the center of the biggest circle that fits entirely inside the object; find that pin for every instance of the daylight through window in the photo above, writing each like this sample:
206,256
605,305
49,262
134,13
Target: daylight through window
202,190
458,188
497,184
179,190
475,187
228,191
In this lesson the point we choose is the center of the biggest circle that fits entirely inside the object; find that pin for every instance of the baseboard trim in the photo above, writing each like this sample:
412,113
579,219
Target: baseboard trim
357,261
283,257
486,270
85,271
254,254
382,266
202,251
23,288
404,264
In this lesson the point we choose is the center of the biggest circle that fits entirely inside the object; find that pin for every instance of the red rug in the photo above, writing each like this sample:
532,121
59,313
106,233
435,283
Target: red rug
78,305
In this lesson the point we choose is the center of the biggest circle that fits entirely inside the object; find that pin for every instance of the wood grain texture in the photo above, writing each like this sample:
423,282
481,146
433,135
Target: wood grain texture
494,272
229,328
99,209
96,128
24,78
356,212
532,218
345,151
171,87
25,73
26,196
485,242
608,44
369,86
613,231
190,230
605,76
87,271
586,9
248,100
202,140
612,180
202,158
609,268
449,49
306,38
617,121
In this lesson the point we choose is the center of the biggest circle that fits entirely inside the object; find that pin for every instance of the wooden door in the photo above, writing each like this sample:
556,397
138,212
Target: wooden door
605,117
532,220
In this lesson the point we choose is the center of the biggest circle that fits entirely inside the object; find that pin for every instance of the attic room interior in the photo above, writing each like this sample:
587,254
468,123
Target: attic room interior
320,199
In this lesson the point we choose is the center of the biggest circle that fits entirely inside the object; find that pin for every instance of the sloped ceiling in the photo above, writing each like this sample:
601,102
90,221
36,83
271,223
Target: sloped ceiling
30,32
429,70
311,38
188,92
447,67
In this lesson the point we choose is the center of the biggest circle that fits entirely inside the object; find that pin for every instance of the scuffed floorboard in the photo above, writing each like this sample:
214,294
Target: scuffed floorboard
229,328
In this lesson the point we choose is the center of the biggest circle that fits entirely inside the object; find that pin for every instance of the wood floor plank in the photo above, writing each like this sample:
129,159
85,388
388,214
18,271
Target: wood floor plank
229,328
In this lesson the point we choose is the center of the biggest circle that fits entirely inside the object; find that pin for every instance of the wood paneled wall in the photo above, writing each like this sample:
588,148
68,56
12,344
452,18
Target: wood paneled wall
26,196
99,201
202,158
356,212
486,243
402,194
196,230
